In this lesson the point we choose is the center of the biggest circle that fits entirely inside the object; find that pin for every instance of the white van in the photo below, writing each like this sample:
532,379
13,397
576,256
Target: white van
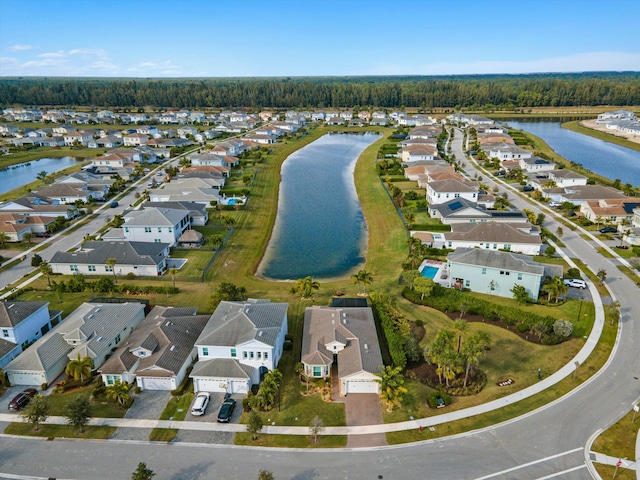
200,405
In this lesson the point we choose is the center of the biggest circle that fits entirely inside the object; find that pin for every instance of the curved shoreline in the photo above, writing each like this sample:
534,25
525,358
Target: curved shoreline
578,127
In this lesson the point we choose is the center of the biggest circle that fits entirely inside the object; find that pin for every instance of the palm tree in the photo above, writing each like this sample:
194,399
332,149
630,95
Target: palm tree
391,390
472,351
366,278
119,392
79,368
558,287
4,238
172,272
305,286
462,327
111,263
45,269
42,176
356,280
28,237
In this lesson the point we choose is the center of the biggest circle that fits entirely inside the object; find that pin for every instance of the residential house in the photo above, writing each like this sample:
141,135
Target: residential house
135,139
92,330
64,193
536,165
138,258
577,194
159,351
200,190
494,236
108,141
506,151
51,142
198,213
414,153
77,138
240,343
214,169
496,273
444,190
567,178
9,130
14,226
317,116
21,324
459,210
346,336
262,139
36,204
618,211
159,225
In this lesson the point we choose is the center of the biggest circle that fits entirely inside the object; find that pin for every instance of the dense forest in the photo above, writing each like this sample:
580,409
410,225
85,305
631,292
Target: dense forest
495,92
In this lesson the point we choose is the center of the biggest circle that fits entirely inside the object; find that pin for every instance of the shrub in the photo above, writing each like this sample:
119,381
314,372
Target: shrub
562,328
57,390
137,389
522,327
44,386
130,276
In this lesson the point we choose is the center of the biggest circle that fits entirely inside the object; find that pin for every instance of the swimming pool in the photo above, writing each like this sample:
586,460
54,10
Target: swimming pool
231,201
429,272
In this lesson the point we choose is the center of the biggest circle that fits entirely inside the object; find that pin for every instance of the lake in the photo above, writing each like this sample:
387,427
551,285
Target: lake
604,158
319,229
18,175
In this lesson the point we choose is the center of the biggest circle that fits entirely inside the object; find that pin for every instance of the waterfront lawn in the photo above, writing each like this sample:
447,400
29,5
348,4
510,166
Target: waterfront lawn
49,152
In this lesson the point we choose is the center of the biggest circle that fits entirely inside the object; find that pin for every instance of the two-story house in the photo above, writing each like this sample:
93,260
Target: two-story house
241,342
159,225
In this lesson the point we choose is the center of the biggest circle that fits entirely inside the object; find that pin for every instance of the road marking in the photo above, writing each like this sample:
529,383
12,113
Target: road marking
525,465
569,470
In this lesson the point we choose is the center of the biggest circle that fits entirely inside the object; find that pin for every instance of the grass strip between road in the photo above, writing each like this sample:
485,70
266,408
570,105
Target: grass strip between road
59,431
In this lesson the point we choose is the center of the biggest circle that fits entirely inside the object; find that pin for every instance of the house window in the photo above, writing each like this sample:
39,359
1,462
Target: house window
259,355
108,268
205,352
159,229
495,246
126,229
233,353
111,379
117,340
5,333
317,371
147,229
251,355
156,240
170,229
507,246
244,355
484,271
467,283
266,355
92,268
457,195
519,276
73,268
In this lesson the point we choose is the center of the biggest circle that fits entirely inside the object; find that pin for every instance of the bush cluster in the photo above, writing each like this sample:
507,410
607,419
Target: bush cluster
432,399
445,299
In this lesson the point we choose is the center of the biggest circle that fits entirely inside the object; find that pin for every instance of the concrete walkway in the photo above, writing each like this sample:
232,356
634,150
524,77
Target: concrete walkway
613,461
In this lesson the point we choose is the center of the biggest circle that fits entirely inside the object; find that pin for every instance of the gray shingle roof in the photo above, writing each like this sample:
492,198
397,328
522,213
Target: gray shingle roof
221,367
14,312
155,217
6,347
491,232
353,325
125,253
234,323
499,260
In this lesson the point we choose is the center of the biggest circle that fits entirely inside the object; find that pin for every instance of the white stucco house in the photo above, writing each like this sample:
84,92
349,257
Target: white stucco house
444,190
159,351
91,330
159,225
240,343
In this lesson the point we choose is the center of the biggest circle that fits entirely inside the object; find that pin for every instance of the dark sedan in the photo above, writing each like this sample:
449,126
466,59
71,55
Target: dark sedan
22,399
226,410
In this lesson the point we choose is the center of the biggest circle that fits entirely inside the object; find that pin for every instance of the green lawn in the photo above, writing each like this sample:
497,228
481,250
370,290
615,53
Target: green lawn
58,404
619,440
176,409
291,441
576,126
59,431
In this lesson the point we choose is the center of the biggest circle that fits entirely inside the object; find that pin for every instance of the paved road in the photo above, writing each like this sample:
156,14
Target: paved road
548,443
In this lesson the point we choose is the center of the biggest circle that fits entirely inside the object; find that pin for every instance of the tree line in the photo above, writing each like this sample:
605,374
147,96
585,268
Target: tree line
481,91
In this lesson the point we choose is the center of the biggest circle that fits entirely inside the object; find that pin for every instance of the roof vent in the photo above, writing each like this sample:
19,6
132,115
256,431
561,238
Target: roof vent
260,333
366,346
90,316
173,347
11,306
99,339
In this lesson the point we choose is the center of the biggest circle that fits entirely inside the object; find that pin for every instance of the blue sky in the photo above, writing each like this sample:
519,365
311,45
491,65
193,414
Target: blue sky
222,38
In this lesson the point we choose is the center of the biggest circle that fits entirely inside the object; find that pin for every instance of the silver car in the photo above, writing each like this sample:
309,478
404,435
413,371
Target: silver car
200,405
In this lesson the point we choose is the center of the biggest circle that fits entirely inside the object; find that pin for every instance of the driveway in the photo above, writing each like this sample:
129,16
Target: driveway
146,405
211,415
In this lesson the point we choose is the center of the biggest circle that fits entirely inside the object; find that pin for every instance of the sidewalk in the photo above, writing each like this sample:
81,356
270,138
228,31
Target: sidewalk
607,460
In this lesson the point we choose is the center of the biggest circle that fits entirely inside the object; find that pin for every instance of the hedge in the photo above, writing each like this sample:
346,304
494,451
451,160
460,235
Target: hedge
446,299
389,320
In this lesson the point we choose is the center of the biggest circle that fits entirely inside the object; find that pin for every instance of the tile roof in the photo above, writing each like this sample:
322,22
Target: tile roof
234,323
352,326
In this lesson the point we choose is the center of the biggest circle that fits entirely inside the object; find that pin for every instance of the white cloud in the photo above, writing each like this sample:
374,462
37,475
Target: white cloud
74,62
19,48
581,62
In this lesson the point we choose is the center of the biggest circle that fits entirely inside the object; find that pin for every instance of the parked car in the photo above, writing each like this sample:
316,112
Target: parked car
200,405
22,399
609,230
226,410
113,204
528,188
575,283
553,204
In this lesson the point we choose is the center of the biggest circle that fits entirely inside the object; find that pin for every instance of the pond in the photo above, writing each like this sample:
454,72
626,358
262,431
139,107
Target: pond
319,230
15,176
604,158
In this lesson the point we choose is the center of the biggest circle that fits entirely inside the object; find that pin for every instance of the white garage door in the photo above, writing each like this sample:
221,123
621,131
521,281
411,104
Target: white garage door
361,386
155,383
25,379
220,385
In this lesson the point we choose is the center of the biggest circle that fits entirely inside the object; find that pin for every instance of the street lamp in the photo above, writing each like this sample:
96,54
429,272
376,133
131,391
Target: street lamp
278,395
580,308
